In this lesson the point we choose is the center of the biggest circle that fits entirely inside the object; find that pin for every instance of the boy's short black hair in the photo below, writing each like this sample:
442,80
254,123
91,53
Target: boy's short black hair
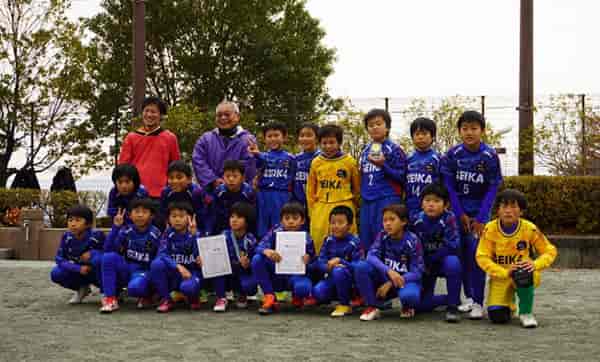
378,112
435,189
126,170
81,211
234,165
331,130
275,126
180,205
313,126
423,124
247,211
143,202
343,210
180,166
162,107
292,208
399,209
509,195
471,116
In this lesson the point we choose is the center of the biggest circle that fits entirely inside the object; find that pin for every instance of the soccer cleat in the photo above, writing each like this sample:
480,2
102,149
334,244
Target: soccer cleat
452,315
78,296
357,301
220,305
203,296
341,311
407,312
466,306
297,302
109,305
195,304
371,313
476,312
144,302
165,306
528,321
177,297
269,304
310,301
242,302
282,296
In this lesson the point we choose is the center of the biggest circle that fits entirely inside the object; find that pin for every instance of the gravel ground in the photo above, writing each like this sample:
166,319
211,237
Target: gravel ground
37,324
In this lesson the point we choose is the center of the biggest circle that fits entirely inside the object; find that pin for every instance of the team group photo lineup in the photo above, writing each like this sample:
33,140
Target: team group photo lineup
258,226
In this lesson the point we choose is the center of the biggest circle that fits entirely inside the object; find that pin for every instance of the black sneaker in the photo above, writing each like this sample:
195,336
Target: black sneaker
452,315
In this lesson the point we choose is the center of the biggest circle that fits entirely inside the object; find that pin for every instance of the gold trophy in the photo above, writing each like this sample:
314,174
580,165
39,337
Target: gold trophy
376,151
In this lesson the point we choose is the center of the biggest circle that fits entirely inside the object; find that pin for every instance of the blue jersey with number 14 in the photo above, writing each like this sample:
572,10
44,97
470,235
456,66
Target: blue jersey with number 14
423,169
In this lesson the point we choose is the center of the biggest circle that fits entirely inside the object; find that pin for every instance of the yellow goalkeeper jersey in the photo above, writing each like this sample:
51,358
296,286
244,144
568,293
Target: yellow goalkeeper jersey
497,251
332,180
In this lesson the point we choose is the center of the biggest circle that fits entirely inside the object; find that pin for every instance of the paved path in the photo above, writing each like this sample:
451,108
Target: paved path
37,324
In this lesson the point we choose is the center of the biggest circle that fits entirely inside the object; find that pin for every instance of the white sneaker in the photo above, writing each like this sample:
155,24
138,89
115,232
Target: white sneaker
528,321
476,311
371,313
230,296
466,306
78,296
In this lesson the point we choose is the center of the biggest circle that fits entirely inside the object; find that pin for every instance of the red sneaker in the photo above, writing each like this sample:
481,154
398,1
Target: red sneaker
357,301
298,302
195,304
310,301
165,306
109,305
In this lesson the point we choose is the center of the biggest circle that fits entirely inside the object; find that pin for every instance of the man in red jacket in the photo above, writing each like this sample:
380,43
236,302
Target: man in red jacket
150,148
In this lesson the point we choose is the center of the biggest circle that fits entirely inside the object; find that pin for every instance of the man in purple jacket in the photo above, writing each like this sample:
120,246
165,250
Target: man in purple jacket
229,141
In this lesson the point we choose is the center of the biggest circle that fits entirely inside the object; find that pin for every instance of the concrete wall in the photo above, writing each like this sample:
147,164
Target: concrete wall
573,251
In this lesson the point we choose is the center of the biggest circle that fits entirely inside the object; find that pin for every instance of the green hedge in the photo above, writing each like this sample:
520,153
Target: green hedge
557,204
561,204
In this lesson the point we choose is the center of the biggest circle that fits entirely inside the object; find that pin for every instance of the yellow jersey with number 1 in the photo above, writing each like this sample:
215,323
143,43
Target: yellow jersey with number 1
332,180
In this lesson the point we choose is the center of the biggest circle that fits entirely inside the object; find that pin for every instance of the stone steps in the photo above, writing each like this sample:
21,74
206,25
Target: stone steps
6,253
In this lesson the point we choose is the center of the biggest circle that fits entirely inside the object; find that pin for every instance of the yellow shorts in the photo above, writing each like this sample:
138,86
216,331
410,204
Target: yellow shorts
502,291
319,221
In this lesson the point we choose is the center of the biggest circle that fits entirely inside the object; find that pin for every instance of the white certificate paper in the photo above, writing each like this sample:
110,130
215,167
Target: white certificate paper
291,245
215,257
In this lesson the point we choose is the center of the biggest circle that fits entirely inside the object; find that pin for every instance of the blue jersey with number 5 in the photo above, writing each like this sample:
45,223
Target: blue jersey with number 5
388,180
471,174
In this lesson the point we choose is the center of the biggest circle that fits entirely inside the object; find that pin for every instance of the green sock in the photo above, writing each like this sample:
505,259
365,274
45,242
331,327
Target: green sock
525,300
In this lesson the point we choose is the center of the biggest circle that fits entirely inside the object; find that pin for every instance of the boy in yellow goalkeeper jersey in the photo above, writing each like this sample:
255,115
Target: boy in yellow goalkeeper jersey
333,181
513,252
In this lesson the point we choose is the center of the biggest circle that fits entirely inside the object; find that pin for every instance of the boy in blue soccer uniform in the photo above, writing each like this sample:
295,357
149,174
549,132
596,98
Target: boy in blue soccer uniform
471,173
276,171
263,263
128,252
79,256
308,141
338,254
393,268
437,228
423,164
382,167
126,179
232,191
180,188
241,246
176,268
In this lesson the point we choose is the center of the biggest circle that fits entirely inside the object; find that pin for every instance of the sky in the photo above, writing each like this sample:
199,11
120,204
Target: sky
390,48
